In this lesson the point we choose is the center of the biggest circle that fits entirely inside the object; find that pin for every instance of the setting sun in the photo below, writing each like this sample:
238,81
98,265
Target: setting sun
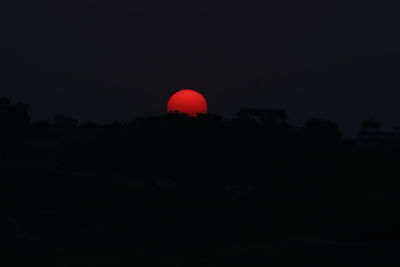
187,101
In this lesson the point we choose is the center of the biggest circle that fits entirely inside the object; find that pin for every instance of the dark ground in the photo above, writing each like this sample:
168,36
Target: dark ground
205,191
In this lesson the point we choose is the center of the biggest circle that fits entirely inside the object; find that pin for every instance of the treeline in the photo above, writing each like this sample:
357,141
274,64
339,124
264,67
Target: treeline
207,149
230,180
141,144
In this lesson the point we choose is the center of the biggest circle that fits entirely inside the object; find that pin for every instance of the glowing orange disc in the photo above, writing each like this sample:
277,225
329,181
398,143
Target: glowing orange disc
188,102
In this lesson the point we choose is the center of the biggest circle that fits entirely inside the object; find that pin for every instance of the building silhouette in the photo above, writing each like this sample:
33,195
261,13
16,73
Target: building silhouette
371,134
264,115
370,127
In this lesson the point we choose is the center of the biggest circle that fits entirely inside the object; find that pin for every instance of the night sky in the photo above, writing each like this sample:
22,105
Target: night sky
115,60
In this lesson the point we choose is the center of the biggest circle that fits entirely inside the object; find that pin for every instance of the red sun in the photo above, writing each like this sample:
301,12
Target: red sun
187,101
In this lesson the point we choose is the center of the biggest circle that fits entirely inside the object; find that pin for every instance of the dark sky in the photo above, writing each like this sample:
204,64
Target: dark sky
107,60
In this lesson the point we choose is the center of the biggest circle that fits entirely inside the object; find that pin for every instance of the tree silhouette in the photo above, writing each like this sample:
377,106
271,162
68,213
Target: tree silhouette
14,127
205,182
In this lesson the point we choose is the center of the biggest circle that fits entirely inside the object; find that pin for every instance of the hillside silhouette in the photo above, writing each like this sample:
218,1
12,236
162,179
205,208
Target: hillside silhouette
202,191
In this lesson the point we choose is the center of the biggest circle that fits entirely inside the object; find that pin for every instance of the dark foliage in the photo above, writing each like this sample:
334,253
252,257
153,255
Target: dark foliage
14,127
204,191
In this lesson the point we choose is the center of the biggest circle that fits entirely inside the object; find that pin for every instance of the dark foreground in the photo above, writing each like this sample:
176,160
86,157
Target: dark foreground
205,191
92,220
